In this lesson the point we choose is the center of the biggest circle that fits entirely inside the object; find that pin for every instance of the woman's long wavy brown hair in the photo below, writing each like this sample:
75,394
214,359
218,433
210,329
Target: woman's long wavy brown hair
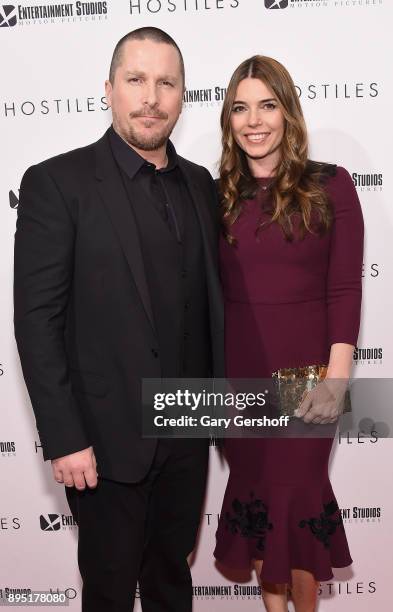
297,186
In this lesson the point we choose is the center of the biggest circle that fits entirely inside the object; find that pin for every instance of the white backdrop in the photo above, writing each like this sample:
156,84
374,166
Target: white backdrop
51,100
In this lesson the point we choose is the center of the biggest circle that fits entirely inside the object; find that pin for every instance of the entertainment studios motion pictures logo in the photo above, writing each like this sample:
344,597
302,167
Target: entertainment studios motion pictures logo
24,15
7,16
283,4
368,181
363,514
236,591
276,4
56,522
368,356
13,199
7,448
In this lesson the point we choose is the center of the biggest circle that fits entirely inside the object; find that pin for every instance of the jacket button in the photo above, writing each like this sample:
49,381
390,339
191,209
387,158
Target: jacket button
155,353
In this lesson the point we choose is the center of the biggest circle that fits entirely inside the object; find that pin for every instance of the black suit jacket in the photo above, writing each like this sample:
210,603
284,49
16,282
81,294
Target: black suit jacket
83,316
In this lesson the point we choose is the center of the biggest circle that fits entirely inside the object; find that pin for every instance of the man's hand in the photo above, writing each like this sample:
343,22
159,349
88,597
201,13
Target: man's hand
324,403
76,470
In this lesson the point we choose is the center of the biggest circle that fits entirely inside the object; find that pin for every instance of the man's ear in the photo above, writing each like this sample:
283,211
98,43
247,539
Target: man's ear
182,99
108,92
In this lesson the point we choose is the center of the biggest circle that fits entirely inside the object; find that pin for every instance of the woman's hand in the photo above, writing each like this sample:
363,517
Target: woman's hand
324,403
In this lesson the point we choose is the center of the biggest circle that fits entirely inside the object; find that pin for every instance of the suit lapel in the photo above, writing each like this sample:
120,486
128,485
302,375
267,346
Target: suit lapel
115,199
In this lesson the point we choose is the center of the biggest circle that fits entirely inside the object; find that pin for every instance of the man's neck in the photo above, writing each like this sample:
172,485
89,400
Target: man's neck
158,157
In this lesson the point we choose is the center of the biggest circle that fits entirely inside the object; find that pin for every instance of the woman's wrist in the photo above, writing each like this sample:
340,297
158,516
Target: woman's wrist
340,361
338,373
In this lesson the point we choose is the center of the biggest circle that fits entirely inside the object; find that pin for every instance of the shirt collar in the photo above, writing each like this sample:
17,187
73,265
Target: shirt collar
131,162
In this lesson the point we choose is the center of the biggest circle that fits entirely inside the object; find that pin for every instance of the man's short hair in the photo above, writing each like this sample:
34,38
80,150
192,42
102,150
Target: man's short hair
147,33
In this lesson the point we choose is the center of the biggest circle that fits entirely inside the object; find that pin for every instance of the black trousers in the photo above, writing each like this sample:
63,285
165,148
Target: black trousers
142,532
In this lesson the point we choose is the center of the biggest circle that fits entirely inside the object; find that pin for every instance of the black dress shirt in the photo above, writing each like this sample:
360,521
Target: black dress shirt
163,188
174,260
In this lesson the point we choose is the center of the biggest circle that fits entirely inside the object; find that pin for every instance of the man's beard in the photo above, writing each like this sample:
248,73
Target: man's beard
147,143
150,142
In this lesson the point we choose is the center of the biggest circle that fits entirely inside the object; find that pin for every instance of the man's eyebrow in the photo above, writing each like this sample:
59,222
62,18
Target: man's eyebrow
134,73
139,73
167,77
260,101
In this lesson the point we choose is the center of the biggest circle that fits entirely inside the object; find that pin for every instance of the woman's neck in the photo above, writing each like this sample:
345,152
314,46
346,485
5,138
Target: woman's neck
264,167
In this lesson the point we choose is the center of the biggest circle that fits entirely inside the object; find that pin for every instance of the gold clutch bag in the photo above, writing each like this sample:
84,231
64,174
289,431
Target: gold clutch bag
293,383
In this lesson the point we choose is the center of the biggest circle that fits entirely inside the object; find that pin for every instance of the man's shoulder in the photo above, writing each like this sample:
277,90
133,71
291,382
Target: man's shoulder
75,160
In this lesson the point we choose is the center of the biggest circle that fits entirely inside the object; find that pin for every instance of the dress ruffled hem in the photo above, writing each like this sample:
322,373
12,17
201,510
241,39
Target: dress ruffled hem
275,579
285,526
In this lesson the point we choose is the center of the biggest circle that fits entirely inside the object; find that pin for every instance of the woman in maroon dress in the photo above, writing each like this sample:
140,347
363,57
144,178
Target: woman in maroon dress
291,263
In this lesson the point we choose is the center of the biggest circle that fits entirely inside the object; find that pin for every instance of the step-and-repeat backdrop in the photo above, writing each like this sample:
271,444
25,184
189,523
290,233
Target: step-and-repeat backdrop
54,60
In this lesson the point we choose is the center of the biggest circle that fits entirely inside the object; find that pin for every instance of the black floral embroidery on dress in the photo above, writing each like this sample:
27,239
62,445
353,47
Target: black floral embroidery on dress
250,520
324,526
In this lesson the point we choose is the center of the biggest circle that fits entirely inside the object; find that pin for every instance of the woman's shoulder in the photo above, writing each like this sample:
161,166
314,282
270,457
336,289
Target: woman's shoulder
323,169
340,189
329,173
337,182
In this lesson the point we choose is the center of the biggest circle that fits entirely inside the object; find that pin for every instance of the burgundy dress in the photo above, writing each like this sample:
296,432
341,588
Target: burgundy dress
286,303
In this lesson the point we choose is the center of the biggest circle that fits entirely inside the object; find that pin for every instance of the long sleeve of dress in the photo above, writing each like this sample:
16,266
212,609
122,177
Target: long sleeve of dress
344,280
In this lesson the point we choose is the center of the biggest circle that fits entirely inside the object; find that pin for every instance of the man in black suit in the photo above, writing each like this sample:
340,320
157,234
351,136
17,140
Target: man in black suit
116,280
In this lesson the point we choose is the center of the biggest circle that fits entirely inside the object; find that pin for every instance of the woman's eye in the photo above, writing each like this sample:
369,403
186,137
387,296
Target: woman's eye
269,106
237,109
